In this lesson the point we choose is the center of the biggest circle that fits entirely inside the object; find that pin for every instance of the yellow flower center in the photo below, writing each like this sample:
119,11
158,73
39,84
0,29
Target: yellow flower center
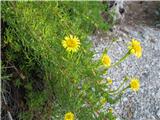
71,43
106,60
134,84
69,116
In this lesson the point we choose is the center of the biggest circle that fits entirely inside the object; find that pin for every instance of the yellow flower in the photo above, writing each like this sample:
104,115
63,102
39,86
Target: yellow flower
71,43
106,60
109,80
103,101
134,84
135,48
69,116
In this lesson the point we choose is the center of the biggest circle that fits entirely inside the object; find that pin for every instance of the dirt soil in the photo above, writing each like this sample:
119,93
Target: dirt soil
142,13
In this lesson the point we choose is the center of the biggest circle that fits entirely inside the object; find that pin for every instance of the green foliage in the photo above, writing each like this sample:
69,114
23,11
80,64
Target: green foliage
56,82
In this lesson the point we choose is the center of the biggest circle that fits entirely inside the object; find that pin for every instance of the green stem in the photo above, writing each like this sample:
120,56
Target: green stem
121,92
125,88
113,40
114,91
122,59
106,49
69,55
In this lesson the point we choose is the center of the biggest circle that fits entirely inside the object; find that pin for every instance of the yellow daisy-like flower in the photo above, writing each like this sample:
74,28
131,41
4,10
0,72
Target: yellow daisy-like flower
134,84
109,80
135,48
71,43
106,60
69,116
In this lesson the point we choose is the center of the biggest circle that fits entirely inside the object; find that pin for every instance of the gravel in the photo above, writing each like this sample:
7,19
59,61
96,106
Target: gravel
145,104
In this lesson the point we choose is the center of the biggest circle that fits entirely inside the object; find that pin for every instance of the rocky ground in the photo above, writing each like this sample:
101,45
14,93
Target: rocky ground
145,104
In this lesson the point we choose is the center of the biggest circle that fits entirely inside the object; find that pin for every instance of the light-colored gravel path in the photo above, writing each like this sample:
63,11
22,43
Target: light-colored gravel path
144,105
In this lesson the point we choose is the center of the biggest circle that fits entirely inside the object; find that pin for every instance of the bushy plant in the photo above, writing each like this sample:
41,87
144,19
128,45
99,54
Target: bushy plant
57,78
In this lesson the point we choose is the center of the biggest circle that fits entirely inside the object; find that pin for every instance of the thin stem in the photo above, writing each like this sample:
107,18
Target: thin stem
5,102
121,92
122,59
125,88
113,40
114,91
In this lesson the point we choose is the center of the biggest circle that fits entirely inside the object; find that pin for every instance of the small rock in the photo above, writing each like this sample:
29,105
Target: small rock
158,94
158,25
125,99
158,114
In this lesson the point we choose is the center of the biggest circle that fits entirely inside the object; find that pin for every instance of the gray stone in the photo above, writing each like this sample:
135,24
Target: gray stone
141,105
158,25
158,113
